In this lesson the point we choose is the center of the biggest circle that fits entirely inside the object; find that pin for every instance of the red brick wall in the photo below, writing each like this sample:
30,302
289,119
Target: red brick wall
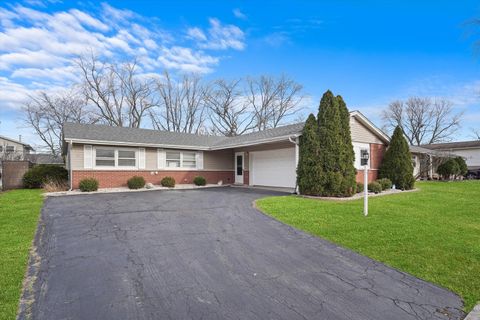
376,156
118,178
246,177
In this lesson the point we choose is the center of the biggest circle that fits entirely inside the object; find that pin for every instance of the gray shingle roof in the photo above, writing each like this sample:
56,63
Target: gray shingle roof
155,137
283,131
453,145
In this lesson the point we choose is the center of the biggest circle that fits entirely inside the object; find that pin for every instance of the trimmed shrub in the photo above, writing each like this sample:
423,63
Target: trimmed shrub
462,165
360,187
88,185
448,168
40,174
374,187
199,181
136,182
385,183
397,162
168,182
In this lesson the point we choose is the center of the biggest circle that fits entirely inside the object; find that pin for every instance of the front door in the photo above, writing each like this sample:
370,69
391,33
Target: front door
239,167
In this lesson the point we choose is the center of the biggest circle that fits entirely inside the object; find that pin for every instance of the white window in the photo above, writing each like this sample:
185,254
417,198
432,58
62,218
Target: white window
359,148
188,160
106,157
126,158
181,159
10,149
173,159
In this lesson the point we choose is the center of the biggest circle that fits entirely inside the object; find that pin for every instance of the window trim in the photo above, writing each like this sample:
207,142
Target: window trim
181,160
8,146
116,166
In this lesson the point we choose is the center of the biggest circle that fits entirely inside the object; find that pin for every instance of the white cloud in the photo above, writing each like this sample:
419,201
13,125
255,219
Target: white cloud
218,36
38,48
196,34
239,14
186,60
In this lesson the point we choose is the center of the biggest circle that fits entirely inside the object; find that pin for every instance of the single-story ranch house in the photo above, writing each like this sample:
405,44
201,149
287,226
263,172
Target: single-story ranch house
469,150
268,158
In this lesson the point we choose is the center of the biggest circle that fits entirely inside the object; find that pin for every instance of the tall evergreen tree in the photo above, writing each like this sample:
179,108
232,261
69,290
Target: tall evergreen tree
348,155
336,150
397,162
308,174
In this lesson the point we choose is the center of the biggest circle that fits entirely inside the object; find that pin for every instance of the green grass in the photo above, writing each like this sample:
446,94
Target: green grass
19,212
433,234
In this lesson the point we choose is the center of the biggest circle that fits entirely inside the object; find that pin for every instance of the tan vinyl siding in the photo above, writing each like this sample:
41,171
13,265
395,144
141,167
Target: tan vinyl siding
77,156
151,159
218,160
361,134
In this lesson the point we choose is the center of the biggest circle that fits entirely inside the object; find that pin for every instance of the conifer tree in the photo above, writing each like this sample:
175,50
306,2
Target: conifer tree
348,160
336,150
308,173
397,162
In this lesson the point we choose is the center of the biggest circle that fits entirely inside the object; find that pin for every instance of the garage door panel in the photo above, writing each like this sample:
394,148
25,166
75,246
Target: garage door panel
274,168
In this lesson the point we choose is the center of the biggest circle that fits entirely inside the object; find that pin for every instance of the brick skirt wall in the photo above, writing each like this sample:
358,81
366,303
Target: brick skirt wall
118,178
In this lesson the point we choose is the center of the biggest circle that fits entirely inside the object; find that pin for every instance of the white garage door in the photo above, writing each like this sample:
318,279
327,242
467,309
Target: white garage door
275,168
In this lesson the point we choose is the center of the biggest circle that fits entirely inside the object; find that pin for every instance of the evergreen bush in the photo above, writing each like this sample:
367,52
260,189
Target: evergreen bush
462,165
397,162
360,187
449,168
136,182
40,174
88,185
308,169
374,187
168,182
199,181
385,183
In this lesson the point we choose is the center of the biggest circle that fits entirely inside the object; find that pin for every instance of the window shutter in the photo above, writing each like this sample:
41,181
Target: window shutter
87,157
141,158
161,159
199,160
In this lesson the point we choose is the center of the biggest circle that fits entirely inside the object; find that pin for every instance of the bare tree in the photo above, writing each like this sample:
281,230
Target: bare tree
46,113
423,120
229,112
476,134
120,96
272,100
181,106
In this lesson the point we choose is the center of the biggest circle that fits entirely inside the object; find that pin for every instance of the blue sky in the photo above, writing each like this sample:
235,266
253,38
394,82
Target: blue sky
370,52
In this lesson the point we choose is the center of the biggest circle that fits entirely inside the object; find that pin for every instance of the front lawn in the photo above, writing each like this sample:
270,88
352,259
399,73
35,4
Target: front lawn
19,212
433,234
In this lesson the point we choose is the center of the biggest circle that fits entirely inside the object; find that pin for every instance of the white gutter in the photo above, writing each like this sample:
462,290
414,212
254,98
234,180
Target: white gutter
297,156
70,170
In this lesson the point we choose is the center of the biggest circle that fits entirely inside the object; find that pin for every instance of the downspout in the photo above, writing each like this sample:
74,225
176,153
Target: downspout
70,171
297,152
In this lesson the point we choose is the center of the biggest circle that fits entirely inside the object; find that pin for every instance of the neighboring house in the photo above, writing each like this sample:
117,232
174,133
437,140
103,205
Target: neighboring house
267,158
11,149
426,161
45,158
470,150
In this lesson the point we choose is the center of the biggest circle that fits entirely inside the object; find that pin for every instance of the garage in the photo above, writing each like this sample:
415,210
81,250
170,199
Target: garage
274,168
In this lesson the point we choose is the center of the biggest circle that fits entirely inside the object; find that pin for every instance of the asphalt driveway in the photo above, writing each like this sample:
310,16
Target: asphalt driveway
208,254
